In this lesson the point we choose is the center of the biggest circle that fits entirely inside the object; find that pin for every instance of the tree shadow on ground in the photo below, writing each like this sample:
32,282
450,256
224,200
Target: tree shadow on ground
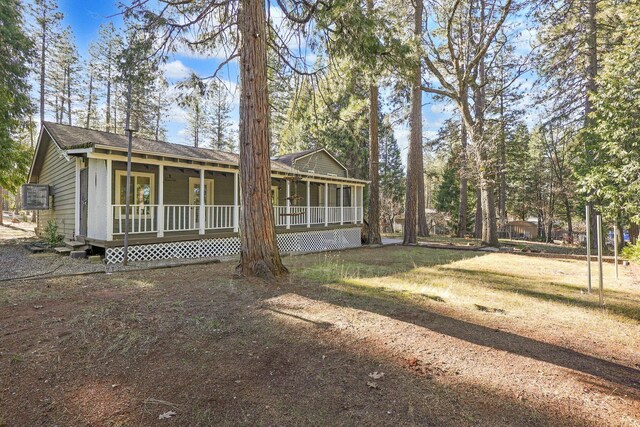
521,285
391,306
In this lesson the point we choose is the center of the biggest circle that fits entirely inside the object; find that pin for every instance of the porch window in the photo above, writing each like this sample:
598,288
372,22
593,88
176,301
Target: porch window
194,191
142,188
274,195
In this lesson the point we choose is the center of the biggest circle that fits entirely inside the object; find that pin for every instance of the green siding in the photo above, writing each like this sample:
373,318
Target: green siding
60,175
320,163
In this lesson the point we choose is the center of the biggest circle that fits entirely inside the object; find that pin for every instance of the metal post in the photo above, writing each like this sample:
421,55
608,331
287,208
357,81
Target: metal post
615,247
599,231
588,227
129,131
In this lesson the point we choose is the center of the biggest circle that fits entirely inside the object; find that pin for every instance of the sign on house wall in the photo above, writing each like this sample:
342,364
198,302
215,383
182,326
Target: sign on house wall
35,197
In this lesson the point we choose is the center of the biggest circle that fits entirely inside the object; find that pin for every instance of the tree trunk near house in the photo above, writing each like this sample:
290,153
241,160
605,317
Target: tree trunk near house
373,235
415,141
462,209
423,228
259,255
477,228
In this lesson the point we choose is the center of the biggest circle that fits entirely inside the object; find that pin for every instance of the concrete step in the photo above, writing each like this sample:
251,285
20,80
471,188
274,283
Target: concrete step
78,254
75,245
63,250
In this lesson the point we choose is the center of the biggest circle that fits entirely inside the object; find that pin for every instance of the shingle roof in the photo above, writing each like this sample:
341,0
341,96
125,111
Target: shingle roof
288,159
69,137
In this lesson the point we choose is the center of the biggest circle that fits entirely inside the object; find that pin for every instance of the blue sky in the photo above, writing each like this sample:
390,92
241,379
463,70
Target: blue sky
85,17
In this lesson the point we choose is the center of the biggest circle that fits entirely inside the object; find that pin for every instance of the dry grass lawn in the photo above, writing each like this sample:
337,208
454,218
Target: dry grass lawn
387,336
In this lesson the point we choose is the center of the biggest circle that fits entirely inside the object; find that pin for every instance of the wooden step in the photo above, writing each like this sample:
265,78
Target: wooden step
63,250
75,245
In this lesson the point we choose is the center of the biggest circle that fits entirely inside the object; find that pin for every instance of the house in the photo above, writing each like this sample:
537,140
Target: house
185,201
523,230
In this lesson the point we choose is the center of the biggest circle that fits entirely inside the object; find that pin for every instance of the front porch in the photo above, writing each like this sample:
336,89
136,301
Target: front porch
166,204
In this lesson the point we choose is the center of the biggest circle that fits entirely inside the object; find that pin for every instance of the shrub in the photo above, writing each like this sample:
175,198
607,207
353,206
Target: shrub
51,233
631,252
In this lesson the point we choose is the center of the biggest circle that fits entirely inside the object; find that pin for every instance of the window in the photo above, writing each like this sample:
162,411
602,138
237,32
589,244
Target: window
141,188
194,191
274,195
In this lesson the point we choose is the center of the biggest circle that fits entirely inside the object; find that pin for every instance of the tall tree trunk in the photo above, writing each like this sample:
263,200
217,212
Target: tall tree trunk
502,176
108,110
69,95
462,209
633,232
423,228
43,42
374,158
259,255
592,72
90,100
568,211
415,140
477,228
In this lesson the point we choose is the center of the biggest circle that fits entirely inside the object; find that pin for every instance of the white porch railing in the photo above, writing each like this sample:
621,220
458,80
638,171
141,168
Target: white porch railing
144,218
218,216
181,217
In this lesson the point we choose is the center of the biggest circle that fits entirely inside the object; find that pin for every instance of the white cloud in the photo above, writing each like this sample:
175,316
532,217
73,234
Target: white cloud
176,70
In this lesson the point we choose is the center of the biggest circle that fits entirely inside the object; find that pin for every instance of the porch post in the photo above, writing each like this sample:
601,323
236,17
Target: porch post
288,203
160,215
236,207
326,204
361,204
354,203
109,201
308,204
341,204
202,197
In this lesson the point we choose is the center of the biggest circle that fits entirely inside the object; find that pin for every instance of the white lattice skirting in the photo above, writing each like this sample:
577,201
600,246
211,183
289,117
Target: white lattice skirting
306,241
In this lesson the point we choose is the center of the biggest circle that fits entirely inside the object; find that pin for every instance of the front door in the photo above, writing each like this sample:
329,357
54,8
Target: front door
84,201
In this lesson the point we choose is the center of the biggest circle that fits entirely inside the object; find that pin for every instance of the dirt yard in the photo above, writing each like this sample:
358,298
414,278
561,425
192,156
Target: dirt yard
388,336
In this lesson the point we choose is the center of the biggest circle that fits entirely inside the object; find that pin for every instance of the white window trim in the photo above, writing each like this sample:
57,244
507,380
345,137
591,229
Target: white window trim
193,181
152,178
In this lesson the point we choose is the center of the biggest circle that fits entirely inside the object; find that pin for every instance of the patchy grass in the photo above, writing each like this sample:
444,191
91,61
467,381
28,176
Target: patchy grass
462,338
519,245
